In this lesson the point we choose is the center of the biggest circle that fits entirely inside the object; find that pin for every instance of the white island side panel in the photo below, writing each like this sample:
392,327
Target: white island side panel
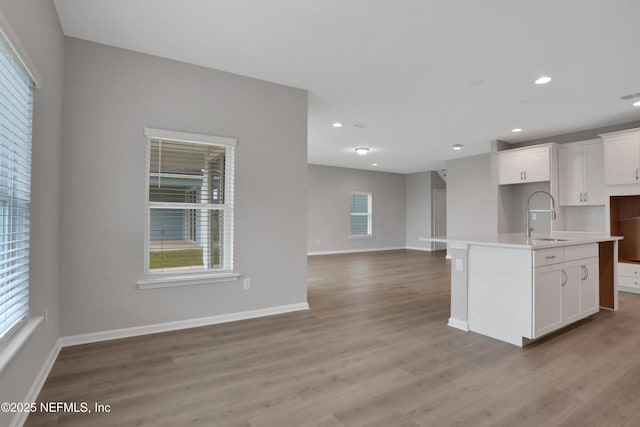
500,292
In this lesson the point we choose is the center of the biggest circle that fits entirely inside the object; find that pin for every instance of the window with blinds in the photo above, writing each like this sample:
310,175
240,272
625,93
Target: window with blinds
16,107
189,206
360,214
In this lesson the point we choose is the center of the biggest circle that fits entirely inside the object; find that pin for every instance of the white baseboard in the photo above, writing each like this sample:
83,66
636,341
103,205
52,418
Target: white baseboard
628,289
416,248
32,395
458,324
180,324
353,251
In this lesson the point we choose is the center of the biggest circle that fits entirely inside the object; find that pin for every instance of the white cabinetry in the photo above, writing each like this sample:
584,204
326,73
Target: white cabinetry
590,286
565,286
629,277
523,165
581,174
622,157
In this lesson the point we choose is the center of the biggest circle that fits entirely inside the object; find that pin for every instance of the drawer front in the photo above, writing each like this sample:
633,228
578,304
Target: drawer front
543,257
572,253
631,282
629,270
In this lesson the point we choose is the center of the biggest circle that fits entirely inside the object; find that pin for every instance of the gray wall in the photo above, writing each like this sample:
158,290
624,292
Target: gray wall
471,197
328,201
419,213
419,189
111,95
35,23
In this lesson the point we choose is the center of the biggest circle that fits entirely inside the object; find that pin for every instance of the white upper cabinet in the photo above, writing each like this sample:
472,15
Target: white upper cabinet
522,165
581,174
622,157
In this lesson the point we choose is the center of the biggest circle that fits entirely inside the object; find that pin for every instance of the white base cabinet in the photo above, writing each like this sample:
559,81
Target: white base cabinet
629,277
566,289
518,294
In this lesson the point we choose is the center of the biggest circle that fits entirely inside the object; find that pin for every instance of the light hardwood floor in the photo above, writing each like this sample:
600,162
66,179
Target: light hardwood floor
373,350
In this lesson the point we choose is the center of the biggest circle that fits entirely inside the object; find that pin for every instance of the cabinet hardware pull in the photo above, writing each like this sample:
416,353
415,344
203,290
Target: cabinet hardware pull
585,272
586,196
521,175
550,257
525,174
582,197
564,280
637,177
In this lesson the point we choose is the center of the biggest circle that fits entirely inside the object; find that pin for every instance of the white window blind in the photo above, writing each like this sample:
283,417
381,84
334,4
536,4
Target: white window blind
189,207
360,214
16,107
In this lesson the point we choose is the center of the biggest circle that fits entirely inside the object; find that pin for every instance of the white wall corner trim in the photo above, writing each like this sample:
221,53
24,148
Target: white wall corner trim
180,324
458,324
32,395
353,251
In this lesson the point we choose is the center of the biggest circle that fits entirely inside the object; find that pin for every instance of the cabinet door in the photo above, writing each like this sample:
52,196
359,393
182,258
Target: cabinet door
621,158
537,164
571,176
589,287
594,174
547,299
510,168
571,292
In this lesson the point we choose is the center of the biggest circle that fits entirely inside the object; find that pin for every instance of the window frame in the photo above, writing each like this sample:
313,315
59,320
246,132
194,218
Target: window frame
368,214
16,336
161,279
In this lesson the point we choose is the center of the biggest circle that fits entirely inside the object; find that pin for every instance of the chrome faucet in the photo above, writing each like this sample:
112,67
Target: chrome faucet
528,230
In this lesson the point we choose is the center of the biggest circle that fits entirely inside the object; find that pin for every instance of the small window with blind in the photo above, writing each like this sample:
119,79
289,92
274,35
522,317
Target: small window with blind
361,215
16,110
189,204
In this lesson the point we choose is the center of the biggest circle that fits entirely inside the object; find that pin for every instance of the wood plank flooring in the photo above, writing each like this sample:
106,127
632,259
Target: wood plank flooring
374,350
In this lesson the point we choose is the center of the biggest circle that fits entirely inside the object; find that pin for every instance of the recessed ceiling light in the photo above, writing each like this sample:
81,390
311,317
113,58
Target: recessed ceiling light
337,125
457,146
362,150
516,130
543,80
636,104
374,164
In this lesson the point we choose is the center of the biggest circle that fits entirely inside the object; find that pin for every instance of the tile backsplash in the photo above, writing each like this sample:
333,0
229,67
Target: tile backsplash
583,218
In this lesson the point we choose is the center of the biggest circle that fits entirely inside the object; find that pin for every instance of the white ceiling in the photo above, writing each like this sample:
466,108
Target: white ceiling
422,75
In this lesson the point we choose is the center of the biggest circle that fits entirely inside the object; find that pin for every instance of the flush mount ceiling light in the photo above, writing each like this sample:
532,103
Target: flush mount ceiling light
337,125
543,80
516,130
362,151
374,164
636,104
457,146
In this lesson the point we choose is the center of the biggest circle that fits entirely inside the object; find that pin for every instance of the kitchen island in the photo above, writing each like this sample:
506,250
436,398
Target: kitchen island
517,290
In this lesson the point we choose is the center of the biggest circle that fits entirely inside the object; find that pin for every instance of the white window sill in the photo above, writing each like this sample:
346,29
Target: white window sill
16,341
169,281
367,237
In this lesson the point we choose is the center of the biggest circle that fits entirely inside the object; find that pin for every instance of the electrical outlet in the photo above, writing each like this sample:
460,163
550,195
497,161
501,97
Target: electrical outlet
318,242
247,283
533,217
459,265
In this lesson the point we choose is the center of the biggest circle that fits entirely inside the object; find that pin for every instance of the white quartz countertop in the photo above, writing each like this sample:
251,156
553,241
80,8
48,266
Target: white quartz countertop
518,240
